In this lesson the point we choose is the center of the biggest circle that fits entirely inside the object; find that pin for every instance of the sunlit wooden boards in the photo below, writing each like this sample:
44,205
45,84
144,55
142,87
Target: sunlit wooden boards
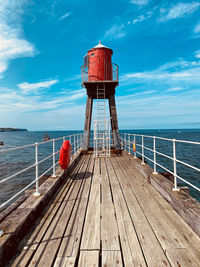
91,233
108,215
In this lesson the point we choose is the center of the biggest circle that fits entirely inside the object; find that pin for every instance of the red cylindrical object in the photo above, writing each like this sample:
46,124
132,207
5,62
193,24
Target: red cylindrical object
65,154
100,64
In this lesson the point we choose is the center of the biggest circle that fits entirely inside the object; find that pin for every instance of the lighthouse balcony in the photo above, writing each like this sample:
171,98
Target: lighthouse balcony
108,74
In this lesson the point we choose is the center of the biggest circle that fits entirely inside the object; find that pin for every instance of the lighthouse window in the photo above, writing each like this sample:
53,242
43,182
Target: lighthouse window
92,55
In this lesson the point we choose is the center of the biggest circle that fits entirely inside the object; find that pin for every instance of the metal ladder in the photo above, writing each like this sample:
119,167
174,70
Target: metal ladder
101,126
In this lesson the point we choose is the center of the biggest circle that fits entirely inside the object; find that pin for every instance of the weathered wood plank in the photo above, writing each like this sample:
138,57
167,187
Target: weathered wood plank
34,240
65,262
47,250
187,236
109,231
72,237
89,259
151,248
111,259
91,231
131,250
166,234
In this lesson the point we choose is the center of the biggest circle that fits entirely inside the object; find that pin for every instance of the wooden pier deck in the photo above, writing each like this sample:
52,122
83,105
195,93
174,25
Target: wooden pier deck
107,214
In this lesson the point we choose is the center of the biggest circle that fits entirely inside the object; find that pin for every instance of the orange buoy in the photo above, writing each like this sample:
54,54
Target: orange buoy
65,153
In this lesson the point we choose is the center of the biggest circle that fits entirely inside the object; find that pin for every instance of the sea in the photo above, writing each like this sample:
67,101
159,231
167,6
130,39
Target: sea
14,161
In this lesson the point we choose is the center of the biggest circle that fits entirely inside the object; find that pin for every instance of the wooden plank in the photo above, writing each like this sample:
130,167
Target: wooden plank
131,250
151,248
47,250
70,243
111,259
42,224
166,234
91,231
187,236
89,259
109,231
65,262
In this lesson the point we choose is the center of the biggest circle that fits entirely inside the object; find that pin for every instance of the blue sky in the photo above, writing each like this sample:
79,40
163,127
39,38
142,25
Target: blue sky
156,45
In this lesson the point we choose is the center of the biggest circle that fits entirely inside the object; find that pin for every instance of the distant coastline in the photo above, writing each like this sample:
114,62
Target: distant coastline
12,130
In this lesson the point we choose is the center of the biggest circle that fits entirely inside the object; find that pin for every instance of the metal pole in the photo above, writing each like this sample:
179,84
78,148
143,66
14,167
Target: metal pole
175,170
81,140
154,155
54,160
129,141
70,140
135,147
143,149
124,141
36,194
74,144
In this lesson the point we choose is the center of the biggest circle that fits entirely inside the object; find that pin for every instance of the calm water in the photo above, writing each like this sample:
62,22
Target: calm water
15,161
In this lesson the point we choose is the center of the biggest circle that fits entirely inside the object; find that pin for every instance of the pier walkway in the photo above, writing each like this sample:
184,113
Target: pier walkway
107,214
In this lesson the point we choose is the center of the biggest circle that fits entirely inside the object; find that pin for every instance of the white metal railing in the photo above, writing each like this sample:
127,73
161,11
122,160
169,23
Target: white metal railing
76,141
131,141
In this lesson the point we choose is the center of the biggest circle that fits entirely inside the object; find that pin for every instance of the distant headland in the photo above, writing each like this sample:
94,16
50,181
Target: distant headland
12,130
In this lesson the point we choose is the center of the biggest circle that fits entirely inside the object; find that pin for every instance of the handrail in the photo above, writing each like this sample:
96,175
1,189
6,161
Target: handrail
84,73
76,141
129,140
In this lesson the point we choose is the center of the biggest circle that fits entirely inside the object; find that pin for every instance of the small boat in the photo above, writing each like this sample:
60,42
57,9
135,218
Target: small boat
1,143
46,137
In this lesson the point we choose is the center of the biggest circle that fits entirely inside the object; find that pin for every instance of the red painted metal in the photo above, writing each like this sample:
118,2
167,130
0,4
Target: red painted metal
100,64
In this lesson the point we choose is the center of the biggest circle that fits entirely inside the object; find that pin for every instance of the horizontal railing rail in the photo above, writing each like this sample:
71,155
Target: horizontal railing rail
76,141
131,143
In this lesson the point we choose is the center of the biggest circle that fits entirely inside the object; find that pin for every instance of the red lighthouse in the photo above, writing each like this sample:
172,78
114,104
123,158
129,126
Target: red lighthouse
100,78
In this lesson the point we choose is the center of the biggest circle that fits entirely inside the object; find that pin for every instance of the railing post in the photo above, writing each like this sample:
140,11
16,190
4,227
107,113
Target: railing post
36,194
74,144
54,160
154,156
125,141
129,141
135,147
70,140
122,142
81,140
175,170
77,143
143,149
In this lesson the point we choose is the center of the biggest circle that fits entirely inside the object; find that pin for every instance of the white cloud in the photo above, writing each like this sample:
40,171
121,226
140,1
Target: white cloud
197,54
65,16
139,2
115,32
142,17
175,89
178,11
175,72
29,87
12,44
138,19
197,28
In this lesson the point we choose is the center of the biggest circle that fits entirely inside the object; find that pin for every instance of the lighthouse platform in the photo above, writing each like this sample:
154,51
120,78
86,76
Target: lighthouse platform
106,213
